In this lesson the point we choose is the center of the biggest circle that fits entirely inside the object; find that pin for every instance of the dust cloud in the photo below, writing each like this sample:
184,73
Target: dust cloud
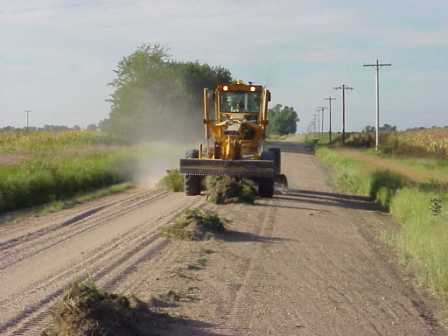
160,157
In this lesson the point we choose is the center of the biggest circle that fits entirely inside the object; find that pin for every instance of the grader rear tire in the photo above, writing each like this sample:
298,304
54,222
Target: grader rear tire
192,183
266,187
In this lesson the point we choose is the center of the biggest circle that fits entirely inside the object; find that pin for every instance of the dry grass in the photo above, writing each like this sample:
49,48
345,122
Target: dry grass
86,310
399,166
195,224
224,190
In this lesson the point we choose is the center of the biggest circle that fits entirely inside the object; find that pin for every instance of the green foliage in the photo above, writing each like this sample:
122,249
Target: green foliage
172,181
349,176
42,180
282,120
423,235
384,185
384,128
156,97
225,189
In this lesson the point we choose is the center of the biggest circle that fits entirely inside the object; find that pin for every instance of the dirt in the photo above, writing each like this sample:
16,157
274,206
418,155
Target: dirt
306,262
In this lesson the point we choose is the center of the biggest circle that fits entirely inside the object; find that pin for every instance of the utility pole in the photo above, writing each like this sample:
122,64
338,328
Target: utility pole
27,118
321,110
377,66
318,121
329,103
343,87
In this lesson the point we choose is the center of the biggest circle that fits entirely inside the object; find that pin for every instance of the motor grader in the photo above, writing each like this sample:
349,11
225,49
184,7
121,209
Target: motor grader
235,121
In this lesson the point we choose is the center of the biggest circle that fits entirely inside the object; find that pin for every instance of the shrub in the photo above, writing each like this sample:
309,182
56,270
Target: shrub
172,181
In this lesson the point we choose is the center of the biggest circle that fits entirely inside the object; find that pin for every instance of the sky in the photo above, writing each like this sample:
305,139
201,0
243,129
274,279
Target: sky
57,57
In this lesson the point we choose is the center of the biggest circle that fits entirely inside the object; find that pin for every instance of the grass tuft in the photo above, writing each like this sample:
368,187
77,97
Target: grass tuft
225,189
195,224
86,310
172,181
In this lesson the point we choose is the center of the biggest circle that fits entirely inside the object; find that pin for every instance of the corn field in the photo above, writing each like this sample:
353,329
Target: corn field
432,142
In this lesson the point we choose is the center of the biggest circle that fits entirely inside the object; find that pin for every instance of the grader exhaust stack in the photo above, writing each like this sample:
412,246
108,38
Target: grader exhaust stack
234,139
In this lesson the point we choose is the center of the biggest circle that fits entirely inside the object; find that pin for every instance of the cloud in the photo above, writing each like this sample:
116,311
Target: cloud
64,51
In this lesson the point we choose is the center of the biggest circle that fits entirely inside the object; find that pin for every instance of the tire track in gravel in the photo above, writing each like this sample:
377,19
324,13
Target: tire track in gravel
112,264
14,242
32,244
238,315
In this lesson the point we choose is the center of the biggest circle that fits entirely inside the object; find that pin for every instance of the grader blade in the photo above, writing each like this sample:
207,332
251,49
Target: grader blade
238,168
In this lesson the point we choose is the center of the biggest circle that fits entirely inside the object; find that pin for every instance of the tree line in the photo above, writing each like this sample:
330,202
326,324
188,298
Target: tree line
157,97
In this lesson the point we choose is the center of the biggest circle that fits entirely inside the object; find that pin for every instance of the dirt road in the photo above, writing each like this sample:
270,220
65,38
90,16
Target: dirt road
302,263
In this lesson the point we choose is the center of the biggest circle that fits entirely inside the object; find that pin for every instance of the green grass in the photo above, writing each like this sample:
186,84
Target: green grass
349,175
51,167
423,237
172,181
41,180
420,208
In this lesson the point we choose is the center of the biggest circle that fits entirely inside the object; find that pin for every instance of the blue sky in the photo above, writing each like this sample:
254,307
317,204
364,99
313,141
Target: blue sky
56,57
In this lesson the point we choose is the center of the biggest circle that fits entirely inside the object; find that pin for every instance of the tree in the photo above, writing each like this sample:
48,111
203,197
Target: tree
282,120
384,128
92,127
155,97
369,129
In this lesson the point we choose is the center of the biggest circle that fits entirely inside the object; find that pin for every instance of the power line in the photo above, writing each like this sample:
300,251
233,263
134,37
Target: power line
377,66
329,103
343,87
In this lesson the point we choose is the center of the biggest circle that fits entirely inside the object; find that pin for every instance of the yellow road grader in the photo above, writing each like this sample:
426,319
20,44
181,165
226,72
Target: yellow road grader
235,122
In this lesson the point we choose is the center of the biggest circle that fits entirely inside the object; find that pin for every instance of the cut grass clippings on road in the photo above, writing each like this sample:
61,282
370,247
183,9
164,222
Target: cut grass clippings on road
195,224
225,189
86,310
172,181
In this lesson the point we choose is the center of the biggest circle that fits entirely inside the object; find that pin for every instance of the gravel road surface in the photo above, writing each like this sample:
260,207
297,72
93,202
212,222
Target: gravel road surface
305,262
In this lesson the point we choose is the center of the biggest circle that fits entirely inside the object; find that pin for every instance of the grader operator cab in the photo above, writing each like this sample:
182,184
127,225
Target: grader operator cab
235,122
